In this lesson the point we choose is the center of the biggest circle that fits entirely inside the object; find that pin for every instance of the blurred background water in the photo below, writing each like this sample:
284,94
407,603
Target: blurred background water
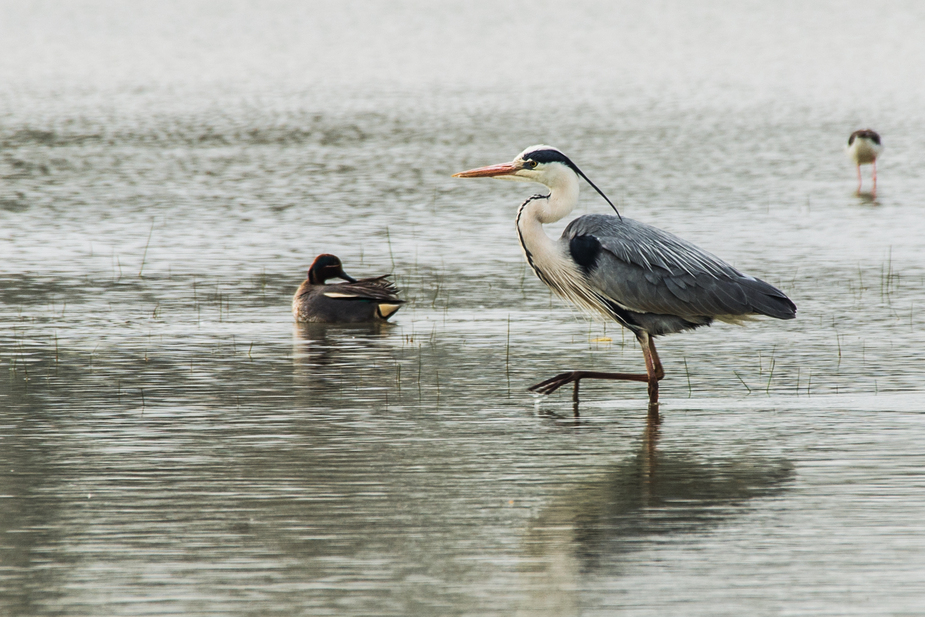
171,443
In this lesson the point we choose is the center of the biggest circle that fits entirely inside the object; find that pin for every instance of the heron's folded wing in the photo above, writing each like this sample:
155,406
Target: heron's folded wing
647,270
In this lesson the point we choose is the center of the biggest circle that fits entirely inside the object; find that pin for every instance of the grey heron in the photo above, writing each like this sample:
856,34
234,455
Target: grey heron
356,301
648,280
863,149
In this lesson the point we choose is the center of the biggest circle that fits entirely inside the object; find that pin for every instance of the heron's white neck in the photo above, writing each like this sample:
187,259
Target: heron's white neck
534,213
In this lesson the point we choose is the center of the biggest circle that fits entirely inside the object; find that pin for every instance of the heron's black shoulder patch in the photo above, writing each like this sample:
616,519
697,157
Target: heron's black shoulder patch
585,250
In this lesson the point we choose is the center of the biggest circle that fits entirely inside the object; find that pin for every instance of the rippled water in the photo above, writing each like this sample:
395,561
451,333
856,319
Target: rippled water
171,443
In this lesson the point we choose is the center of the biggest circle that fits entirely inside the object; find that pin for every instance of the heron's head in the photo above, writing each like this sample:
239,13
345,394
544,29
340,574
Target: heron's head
327,267
543,164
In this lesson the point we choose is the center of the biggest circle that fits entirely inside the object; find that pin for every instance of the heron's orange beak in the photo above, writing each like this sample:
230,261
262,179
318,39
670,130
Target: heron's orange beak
501,169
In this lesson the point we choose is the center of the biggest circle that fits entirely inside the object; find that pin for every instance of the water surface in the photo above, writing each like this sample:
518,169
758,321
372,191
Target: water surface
173,444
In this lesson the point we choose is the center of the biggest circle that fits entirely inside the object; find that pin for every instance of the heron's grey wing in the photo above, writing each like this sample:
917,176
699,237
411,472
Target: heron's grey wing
646,270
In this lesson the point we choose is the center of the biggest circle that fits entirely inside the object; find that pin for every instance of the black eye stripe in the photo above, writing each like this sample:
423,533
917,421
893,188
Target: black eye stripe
549,156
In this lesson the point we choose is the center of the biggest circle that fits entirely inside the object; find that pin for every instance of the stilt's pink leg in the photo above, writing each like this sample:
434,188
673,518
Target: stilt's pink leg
859,178
874,192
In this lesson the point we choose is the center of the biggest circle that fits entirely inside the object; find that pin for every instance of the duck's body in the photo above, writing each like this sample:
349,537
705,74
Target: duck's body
863,149
356,301
648,280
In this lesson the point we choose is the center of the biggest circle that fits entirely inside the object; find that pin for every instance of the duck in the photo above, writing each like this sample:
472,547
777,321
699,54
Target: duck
356,301
863,149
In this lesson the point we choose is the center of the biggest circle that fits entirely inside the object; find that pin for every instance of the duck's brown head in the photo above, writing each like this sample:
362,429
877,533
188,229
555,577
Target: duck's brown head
327,267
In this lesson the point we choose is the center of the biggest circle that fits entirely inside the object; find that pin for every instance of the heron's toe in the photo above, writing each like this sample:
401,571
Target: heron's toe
551,385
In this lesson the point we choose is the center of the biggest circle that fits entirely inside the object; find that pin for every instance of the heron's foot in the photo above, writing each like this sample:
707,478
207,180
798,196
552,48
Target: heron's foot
653,393
653,415
551,385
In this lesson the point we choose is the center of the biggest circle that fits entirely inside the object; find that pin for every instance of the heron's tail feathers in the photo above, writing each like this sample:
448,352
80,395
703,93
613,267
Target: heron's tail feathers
765,299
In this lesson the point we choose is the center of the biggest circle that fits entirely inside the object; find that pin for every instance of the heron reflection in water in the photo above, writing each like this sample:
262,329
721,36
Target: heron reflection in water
648,500
648,280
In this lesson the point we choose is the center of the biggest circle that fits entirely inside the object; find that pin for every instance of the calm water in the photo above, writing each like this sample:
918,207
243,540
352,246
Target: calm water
171,443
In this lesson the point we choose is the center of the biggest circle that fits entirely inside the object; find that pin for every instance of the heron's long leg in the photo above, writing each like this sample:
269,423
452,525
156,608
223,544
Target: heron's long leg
654,372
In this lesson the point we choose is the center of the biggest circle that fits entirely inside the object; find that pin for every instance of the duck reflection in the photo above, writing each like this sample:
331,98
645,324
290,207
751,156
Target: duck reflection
336,360
642,500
